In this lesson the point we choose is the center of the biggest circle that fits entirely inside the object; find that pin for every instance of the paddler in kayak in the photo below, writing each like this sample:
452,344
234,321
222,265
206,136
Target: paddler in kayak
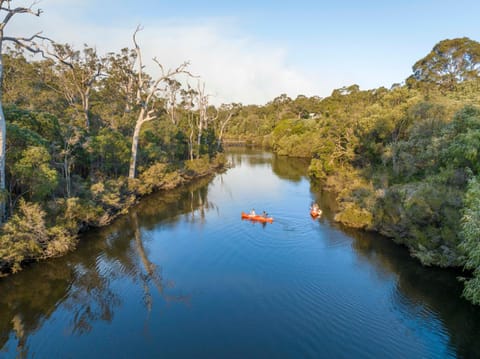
315,210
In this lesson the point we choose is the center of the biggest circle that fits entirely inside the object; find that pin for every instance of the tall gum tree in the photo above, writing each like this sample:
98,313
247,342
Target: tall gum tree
203,116
147,94
78,72
450,62
7,12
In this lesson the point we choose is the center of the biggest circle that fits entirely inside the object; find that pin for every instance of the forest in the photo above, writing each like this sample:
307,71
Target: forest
86,135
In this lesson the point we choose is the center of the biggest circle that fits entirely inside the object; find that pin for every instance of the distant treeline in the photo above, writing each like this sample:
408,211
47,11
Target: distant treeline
403,161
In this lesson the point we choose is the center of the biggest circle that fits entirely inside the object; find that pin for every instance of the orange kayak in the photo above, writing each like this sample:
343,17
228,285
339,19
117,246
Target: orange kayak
315,214
257,218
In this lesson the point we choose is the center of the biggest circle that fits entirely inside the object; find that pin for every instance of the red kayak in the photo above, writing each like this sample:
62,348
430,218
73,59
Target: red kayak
257,218
315,214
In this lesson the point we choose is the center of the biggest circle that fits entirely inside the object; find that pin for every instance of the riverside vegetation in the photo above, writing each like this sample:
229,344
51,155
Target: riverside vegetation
87,136
402,161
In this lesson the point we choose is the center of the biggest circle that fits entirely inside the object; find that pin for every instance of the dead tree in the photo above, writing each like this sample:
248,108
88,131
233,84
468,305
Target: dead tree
229,110
147,93
172,91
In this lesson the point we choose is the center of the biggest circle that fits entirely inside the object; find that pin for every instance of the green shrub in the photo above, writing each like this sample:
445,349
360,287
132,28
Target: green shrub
319,169
199,166
354,216
152,179
24,236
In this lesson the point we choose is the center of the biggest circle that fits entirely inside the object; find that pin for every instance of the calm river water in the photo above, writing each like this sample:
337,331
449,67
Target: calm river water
182,276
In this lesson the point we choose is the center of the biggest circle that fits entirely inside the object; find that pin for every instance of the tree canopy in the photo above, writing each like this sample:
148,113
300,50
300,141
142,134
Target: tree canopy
450,62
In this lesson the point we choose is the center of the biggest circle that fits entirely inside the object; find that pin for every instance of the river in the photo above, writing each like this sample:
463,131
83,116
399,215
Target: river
183,276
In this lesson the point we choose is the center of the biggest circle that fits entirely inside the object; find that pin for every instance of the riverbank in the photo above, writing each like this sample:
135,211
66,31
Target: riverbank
38,233
422,215
169,278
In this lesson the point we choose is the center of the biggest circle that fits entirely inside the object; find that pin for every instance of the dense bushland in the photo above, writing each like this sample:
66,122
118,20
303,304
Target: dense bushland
67,164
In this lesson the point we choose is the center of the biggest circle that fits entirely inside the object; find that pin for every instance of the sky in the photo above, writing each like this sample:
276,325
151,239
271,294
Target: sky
252,51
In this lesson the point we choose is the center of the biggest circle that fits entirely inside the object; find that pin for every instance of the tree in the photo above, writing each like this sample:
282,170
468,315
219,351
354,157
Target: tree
227,111
173,91
188,103
450,62
34,172
147,93
117,91
470,234
77,73
204,117
27,43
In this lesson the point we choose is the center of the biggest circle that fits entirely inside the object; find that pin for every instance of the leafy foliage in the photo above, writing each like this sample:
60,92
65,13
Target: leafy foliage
69,140
403,161
24,236
470,235
450,62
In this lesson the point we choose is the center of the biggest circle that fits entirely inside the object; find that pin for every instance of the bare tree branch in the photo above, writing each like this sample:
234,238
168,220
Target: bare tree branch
19,10
29,43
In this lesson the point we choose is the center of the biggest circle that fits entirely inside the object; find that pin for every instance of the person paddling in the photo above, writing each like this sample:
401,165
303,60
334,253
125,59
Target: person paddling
315,209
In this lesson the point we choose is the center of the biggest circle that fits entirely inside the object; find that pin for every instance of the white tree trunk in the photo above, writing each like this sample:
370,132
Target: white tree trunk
136,134
133,160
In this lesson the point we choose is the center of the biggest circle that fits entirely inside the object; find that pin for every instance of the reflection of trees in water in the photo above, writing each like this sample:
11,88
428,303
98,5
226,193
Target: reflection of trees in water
77,284
434,292
82,283
292,169
252,156
152,273
169,206
199,205
225,186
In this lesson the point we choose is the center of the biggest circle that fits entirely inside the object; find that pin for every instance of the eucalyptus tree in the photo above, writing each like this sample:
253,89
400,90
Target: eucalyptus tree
226,113
28,43
148,94
450,62
204,118
189,97
78,72
118,88
173,89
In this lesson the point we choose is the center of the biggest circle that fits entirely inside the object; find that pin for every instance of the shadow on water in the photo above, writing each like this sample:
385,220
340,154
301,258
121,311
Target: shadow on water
433,291
81,282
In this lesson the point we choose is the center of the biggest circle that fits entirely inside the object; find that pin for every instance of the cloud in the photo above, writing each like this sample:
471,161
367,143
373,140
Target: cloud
234,66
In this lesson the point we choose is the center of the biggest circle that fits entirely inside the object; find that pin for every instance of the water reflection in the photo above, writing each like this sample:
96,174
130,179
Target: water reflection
93,285
428,292
255,157
82,283
292,169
